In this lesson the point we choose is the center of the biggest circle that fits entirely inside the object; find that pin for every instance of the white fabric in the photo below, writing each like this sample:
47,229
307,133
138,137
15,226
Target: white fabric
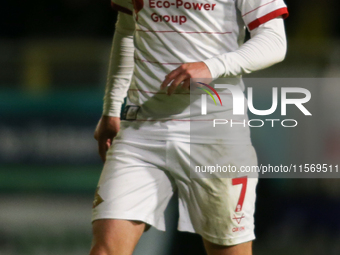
140,176
255,9
120,66
169,33
267,47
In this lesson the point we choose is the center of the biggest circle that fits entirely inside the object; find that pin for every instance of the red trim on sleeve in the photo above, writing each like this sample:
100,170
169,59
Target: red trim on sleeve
279,12
120,8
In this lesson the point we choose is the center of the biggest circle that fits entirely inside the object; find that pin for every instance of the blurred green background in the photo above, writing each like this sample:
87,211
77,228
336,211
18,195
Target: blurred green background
53,65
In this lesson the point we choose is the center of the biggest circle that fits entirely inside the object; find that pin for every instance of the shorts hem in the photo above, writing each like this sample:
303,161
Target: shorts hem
130,216
185,226
228,241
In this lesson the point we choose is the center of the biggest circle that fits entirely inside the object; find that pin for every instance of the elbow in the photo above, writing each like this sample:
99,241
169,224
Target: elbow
283,53
280,57
282,50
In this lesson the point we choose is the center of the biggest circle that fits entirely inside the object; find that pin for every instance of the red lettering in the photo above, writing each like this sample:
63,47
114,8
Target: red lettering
182,20
187,5
152,3
154,17
166,4
166,18
197,6
237,229
181,3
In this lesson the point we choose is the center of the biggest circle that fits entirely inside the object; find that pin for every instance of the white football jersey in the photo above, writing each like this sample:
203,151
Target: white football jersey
170,33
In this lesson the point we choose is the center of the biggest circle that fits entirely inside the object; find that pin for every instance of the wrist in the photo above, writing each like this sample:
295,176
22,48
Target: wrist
215,66
112,109
106,118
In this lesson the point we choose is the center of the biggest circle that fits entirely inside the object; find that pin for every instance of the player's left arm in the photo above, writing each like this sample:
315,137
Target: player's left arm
266,47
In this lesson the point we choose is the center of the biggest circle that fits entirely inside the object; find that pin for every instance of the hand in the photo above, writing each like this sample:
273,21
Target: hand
183,74
107,128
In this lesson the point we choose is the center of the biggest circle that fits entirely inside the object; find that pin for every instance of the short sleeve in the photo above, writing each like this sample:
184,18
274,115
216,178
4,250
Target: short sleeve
124,6
258,12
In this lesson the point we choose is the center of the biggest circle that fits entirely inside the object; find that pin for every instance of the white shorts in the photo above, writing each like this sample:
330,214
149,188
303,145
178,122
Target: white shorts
139,178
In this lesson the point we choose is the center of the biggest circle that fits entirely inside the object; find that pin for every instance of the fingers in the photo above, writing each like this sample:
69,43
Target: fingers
170,77
184,73
178,80
177,76
103,146
102,149
107,128
108,144
186,84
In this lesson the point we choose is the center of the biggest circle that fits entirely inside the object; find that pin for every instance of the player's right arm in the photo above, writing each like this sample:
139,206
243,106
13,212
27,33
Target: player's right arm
118,81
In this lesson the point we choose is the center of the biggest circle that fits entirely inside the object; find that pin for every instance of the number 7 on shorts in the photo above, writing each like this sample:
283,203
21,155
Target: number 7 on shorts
243,181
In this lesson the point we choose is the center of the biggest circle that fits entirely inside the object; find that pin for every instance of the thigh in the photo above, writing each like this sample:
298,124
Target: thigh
220,207
111,236
133,185
239,249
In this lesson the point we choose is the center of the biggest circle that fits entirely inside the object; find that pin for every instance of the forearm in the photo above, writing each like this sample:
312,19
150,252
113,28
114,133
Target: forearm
266,47
120,66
